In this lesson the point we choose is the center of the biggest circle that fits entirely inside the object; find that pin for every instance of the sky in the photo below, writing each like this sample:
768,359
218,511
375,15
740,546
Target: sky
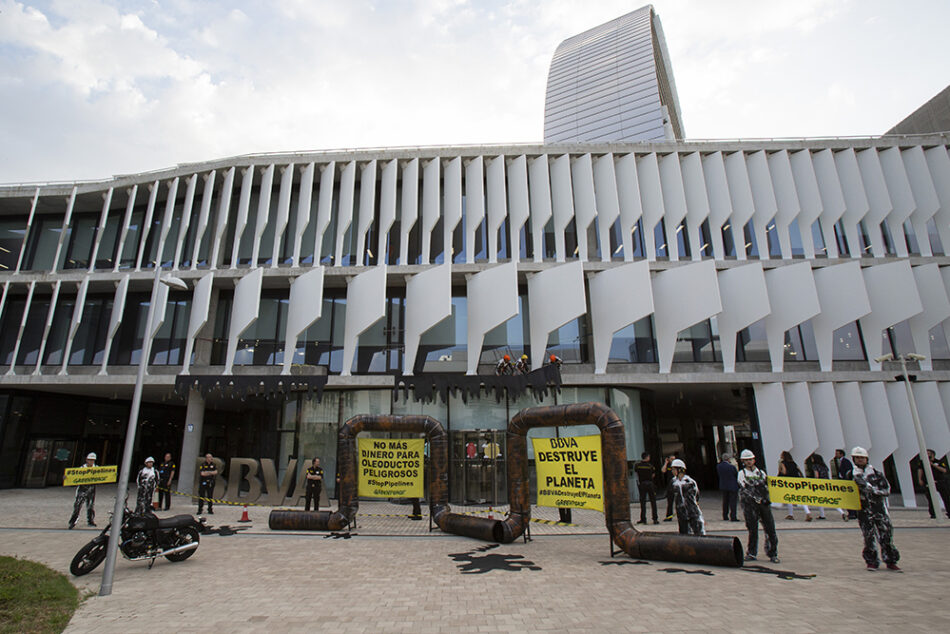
95,88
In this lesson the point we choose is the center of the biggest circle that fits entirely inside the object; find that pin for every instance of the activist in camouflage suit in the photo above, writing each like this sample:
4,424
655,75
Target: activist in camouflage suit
686,499
85,494
756,507
873,517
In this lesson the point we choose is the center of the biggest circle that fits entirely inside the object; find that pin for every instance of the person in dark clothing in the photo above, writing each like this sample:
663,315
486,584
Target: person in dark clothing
788,468
646,486
207,473
729,485
314,484
815,467
757,508
667,472
873,517
166,473
842,469
941,472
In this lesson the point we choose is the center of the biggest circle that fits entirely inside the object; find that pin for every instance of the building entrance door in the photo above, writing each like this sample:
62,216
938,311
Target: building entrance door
478,467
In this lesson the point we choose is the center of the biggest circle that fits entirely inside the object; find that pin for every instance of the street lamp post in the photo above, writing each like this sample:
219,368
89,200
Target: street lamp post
105,588
922,444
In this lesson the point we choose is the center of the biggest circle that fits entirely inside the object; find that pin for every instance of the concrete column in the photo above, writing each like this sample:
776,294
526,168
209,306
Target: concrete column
191,441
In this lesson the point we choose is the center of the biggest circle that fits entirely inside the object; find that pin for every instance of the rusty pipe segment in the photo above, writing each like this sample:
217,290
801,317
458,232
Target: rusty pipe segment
713,550
292,520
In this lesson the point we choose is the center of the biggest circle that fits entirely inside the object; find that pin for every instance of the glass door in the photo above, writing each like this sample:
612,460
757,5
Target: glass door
478,467
37,460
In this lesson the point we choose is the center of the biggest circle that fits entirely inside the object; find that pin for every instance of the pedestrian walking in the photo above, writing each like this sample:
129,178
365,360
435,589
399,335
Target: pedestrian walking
757,508
729,486
789,469
146,480
873,517
207,472
646,486
314,484
815,467
85,494
686,500
166,472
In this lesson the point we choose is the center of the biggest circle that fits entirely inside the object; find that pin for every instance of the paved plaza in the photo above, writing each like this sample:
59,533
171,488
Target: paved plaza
391,574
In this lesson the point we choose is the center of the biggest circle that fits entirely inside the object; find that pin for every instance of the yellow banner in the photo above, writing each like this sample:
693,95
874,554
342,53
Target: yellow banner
390,468
570,472
841,494
90,475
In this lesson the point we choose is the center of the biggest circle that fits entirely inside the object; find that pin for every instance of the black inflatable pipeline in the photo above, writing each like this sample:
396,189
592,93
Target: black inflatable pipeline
283,519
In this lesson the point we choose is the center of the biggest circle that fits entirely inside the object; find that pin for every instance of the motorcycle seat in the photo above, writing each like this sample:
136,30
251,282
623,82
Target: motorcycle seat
178,521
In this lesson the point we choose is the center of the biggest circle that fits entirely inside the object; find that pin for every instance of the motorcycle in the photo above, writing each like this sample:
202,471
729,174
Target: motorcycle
143,536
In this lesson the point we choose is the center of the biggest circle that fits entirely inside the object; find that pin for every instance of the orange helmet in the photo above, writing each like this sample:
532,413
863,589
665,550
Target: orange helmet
553,357
507,358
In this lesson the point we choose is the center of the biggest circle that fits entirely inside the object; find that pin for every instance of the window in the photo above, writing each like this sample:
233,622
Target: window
635,343
90,341
12,231
81,240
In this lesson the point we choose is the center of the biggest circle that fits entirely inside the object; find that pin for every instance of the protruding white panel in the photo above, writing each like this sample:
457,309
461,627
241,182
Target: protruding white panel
628,196
651,201
562,202
745,300
585,205
843,299
303,211
431,205
855,198
894,298
103,217
854,421
518,209
619,296
19,337
803,172
922,188
387,209
492,300
697,281
555,296
263,211
880,426
73,324
283,212
161,308
786,198
832,198
428,301
801,420
720,205
608,205
674,201
793,299
824,404
185,219
938,162
365,305
901,196
497,203
740,193
879,200
933,418
144,229
936,309
367,210
46,328
221,221
203,218
410,207
324,208
344,216
304,308
540,198
244,311
773,423
452,206
763,198
697,203
906,440
244,204
200,307
474,204
115,319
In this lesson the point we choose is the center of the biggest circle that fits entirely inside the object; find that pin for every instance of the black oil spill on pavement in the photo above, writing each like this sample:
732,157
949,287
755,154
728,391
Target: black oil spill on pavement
781,574
340,535
622,562
472,564
486,548
689,572
224,530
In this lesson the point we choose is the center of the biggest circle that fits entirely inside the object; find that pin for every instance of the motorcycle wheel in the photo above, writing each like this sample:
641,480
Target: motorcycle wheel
185,536
88,557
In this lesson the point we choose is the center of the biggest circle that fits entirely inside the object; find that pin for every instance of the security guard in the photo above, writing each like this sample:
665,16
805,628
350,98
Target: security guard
85,494
646,486
686,499
754,496
314,484
873,517
207,472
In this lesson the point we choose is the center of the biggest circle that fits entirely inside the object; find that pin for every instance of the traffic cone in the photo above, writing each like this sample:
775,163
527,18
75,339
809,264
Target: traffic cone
490,516
244,517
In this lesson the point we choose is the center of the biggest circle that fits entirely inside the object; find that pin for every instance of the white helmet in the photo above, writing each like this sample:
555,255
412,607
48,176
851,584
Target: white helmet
91,456
859,452
678,463
747,455
149,459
